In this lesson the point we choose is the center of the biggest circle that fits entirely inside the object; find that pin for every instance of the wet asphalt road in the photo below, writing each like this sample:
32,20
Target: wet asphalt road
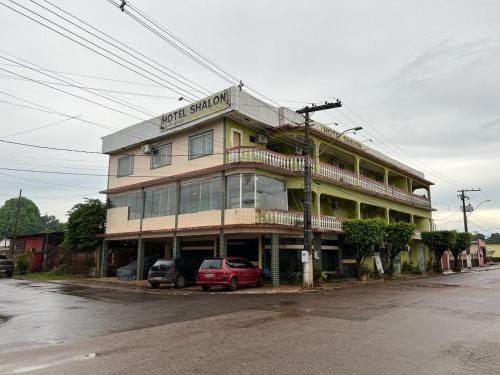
442,325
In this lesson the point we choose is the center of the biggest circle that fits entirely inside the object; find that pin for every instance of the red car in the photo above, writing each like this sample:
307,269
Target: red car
229,272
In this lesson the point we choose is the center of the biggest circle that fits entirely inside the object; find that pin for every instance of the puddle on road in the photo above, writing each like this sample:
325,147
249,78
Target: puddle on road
3,318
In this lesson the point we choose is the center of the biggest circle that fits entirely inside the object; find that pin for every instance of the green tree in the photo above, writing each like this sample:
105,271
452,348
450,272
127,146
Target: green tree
51,223
493,238
463,241
86,220
362,235
397,236
29,217
439,242
479,236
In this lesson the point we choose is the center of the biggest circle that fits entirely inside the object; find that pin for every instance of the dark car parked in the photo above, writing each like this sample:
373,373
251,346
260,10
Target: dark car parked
6,265
175,272
229,272
129,272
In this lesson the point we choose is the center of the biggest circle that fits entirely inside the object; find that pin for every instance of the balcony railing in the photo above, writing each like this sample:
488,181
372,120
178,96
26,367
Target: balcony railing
295,163
296,219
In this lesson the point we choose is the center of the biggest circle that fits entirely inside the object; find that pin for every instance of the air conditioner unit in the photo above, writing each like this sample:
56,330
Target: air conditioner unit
261,138
146,149
297,150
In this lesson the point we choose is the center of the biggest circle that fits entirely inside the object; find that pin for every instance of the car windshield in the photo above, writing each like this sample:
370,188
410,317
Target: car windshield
211,264
168,263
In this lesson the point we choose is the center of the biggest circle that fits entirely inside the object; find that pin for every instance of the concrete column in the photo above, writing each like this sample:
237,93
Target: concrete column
412,218
275,259
358,210
261,252
386,177
316,157
104,259
140,259
356,165
176,247
387,216
410,186
317,250
341,265
222,244
215,246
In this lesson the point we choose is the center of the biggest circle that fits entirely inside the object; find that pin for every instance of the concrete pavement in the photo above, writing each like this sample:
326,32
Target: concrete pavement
443,325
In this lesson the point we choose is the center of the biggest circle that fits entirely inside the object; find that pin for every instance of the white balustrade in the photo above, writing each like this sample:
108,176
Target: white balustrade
295,163
296,219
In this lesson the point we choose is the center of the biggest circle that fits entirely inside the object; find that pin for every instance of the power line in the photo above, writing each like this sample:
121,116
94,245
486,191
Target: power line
121,49
186,96
37,128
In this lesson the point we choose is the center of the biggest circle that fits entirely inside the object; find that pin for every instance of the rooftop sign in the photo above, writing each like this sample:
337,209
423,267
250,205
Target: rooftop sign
212,104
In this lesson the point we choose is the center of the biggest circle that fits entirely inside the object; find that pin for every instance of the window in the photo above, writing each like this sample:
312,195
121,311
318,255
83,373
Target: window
201,196
161,156
241,190
250,190
125,166
201,145
160,202
133,201
213,263
236,138
271,193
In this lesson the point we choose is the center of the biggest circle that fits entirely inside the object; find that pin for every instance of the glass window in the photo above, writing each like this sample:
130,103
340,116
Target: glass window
133,201
247,190
200,196
201,145
233,191
161,156
271,193
160,202
211,264
125,166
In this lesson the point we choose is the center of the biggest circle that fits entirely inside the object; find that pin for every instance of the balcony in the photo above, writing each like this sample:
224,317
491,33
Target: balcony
296,219
295,163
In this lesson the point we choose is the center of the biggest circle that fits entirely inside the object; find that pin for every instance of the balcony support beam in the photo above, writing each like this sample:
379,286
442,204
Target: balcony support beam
275,260
140,259
358,210
387,215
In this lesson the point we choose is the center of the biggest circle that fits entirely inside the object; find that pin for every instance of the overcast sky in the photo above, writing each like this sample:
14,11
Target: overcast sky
420,76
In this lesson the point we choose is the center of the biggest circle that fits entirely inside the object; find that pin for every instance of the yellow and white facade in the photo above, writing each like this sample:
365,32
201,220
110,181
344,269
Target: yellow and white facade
224,176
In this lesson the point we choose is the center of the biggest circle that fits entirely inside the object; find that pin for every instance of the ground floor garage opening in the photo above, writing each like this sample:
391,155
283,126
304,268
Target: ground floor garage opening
247,248
197,250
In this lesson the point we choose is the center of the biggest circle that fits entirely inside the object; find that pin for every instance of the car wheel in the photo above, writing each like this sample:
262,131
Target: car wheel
206,288
154,285
180,282
234,284
260,282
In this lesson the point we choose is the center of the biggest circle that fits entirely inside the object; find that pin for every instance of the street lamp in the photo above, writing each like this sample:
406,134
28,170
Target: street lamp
475,208
355,129
351,129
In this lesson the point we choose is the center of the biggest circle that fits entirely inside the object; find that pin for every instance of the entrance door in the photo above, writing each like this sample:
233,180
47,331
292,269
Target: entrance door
236,141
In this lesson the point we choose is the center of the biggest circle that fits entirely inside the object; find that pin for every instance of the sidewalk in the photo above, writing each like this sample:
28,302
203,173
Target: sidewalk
142,286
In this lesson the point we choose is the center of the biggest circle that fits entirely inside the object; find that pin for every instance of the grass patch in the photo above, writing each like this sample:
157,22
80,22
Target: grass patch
50,275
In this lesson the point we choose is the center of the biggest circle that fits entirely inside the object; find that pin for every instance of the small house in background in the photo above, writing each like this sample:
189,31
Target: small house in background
477,256
41,245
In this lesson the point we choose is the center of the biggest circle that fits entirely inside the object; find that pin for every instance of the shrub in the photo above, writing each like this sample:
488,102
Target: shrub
317,273
22,263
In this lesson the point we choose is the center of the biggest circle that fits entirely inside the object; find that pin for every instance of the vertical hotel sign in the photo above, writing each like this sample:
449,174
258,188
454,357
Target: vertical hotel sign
212,104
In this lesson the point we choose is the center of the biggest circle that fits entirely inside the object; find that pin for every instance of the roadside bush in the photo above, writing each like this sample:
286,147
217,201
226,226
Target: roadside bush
406,267
317,274
22,263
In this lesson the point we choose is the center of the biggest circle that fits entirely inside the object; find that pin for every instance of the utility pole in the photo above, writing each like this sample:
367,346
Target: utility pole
14,234
463,196
308,235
